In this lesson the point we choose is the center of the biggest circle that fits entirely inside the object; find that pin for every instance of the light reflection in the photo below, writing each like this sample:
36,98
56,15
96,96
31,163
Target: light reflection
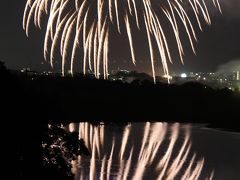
141,151
124,141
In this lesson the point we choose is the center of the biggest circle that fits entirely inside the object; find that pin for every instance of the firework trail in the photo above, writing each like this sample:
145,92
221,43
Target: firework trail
164,153
84,26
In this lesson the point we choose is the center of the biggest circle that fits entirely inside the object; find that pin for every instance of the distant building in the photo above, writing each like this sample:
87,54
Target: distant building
130,76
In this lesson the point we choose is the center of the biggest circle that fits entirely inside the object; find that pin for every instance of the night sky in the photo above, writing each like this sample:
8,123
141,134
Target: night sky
217,45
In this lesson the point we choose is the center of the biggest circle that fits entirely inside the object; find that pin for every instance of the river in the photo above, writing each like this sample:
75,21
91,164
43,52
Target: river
156,150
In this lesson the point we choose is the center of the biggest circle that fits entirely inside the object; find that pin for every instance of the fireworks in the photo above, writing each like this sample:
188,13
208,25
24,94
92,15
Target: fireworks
164,152
84,26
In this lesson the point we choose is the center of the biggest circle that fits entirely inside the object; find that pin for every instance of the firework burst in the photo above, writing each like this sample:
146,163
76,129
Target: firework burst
84,26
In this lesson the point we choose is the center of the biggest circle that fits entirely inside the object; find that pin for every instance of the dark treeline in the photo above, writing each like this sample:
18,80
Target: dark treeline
84,98
30,103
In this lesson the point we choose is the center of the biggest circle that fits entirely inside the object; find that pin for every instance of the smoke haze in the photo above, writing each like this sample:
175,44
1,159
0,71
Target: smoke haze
229,67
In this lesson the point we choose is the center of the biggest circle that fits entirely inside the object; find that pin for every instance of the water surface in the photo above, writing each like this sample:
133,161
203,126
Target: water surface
157,151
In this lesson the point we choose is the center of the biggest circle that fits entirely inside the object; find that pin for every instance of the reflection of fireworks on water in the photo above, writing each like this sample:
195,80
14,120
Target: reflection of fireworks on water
91,22
163,153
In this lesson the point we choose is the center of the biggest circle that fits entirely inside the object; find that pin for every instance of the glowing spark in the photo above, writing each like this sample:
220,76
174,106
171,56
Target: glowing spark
66,44
150,49
117,15
130,38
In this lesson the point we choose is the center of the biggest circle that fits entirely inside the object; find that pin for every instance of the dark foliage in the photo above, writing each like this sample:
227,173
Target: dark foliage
60,147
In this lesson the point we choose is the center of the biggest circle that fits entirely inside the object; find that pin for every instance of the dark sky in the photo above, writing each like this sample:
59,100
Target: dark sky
217,45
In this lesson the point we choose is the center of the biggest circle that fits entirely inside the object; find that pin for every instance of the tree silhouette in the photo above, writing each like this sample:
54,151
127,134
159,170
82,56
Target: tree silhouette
3,69
60,148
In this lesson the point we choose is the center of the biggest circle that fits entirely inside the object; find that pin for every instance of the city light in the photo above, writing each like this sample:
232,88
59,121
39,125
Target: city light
183,75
